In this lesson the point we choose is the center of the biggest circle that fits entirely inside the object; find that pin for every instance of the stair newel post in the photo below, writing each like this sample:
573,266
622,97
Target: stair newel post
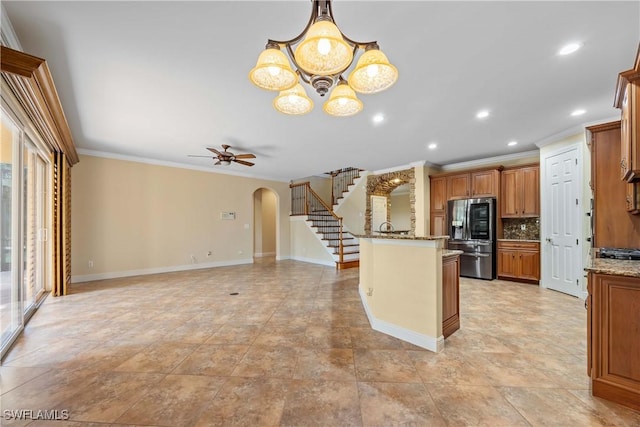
340,244
306,198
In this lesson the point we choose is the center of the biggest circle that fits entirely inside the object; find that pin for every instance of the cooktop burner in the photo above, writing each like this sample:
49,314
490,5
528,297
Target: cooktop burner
620,253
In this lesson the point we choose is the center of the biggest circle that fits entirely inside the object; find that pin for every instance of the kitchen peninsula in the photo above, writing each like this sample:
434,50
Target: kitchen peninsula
406,292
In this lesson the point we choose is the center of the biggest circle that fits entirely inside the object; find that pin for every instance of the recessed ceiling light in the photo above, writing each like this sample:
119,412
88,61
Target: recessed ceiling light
432,146
512,143
378,118
569,49
482,114
578,112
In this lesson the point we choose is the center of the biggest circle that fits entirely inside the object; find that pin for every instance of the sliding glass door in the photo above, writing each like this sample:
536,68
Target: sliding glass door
25,270
11,313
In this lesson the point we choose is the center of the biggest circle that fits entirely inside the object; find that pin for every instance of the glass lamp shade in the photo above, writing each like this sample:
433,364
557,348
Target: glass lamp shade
373,73
323,51
293,101
342,102
273,72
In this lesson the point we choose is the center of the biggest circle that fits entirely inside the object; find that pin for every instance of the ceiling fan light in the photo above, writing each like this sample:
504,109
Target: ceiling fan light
293,101
342,102
373,73
273,72
323,51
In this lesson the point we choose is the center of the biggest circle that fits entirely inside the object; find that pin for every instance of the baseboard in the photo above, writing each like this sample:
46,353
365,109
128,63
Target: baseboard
146,271
430,343
314,261
264,254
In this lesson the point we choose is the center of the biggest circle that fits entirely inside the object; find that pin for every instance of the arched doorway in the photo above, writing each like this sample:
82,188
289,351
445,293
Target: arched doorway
265,204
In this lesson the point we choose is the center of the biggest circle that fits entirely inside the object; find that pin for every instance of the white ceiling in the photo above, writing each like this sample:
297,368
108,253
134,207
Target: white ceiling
163,80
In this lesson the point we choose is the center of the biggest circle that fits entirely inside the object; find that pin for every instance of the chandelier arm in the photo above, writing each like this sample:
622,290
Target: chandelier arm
356,44
296,39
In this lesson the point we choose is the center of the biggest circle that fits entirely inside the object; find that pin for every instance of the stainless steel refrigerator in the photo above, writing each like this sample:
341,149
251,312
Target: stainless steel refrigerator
472,229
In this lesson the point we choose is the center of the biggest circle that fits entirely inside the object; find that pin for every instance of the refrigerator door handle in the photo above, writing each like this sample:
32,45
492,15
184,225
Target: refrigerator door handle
475,255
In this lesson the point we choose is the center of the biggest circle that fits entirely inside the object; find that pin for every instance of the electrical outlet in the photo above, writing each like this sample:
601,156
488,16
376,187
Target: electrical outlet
523,227
240,252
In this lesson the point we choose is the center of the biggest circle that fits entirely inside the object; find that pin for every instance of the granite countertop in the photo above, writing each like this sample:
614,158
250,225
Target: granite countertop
398,236
520,240
618,267
450,252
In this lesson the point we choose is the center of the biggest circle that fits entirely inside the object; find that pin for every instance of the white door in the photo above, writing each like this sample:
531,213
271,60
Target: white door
378,212
561,223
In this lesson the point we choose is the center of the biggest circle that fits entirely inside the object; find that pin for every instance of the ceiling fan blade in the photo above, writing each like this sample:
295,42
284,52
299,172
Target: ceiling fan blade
245,156
217,163
213,150
193,155
242,162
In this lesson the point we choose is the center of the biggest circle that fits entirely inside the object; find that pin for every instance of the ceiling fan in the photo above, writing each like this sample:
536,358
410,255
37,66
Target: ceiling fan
226,157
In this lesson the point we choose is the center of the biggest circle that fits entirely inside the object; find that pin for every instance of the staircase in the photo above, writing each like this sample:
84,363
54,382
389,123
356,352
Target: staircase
328,227
342,245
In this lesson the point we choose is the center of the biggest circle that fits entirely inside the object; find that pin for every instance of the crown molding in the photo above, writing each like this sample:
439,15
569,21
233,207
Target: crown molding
156,162
575,130
472,164
8,35
411,165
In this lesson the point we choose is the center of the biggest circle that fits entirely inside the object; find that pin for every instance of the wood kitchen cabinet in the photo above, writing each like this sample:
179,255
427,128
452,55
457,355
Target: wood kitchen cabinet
613,199
519,260
613,337
627,98
481,183
520,192
438,206
450,294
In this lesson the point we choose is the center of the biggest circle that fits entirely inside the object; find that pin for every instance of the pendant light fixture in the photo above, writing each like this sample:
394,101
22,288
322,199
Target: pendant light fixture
322,55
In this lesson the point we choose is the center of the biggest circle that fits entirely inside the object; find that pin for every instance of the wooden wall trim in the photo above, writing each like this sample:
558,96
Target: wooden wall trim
29,77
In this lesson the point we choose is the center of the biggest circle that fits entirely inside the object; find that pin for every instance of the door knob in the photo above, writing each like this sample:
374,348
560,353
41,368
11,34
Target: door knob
549,240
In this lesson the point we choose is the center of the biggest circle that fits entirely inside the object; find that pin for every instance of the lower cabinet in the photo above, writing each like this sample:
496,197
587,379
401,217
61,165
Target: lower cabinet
519,261
450,295
613,338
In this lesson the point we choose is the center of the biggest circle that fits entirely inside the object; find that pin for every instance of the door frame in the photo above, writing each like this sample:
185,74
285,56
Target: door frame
579,147
277,221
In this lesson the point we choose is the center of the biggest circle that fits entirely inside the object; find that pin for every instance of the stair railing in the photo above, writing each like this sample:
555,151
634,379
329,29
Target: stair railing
341,179
305,201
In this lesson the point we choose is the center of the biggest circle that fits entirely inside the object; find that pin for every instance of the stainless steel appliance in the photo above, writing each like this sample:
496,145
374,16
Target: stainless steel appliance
472,227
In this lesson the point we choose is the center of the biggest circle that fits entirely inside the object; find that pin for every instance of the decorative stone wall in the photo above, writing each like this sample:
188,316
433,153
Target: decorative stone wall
383,185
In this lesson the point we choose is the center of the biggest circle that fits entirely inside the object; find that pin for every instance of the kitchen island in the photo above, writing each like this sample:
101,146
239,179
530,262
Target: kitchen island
401,287
613,329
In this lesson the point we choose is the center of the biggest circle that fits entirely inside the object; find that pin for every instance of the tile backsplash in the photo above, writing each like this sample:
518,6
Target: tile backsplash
512,228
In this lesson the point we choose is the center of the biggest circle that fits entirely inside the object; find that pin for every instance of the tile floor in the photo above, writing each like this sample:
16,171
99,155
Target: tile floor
294,348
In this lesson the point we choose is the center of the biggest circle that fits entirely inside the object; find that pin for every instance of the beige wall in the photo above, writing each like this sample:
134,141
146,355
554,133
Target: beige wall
400,211
401,288
269,205
136,218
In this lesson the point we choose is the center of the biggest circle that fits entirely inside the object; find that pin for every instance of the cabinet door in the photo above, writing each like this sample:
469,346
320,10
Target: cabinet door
529,265
615,342
439,194
507,263
458,186
530,187
510,203
438,226
450,295
485,183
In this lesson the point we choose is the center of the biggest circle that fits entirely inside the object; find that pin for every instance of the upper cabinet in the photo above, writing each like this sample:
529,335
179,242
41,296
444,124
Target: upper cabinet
480,183
627,98
520,192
